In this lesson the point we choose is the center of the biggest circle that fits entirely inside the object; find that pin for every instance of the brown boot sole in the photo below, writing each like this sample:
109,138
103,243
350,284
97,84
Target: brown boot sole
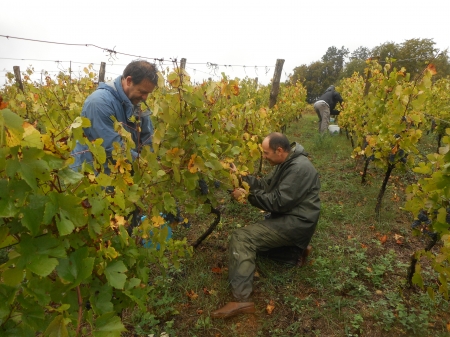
244,310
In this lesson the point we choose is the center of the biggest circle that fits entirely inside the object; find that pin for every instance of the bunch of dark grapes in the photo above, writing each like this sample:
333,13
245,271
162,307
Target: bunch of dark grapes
203,187
422,217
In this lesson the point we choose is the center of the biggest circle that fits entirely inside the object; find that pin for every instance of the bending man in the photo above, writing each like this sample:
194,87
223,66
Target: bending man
325,106
291,194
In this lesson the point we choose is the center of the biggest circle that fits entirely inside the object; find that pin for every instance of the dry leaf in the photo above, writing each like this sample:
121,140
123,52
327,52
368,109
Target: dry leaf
192,295
206,291
270,307
448,326
433,71
216,270
199,311
363,246
383,239
398,239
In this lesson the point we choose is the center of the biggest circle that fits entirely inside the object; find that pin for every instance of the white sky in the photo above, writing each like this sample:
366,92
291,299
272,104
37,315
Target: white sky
231,32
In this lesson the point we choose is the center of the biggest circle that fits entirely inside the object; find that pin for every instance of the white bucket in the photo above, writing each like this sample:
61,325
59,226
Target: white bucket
334,129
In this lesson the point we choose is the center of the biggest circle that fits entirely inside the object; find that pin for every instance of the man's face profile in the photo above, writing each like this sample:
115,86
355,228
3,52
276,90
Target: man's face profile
274,157
137,93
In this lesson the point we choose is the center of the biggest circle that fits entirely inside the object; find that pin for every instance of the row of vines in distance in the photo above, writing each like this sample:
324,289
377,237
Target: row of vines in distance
385,115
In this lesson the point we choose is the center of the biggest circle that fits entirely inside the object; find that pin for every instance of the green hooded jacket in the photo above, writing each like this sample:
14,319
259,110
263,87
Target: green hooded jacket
291,194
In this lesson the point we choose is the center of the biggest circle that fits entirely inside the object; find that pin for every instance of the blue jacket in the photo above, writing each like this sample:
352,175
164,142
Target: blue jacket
110,100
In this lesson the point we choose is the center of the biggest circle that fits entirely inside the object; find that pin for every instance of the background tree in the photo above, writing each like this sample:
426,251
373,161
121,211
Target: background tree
357,62
386,50
334,62
413,54
319,75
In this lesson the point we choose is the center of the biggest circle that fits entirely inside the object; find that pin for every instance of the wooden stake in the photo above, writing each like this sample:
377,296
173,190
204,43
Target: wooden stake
182,68
18,77
183,63
101,74
276,83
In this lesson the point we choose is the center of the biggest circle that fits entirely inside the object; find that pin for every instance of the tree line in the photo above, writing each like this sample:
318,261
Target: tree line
339,63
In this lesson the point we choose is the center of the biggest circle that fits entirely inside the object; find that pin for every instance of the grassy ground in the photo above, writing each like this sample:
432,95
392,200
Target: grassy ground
353,285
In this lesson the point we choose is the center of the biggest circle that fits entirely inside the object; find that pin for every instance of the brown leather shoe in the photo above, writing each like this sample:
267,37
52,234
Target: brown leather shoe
304,257
234,308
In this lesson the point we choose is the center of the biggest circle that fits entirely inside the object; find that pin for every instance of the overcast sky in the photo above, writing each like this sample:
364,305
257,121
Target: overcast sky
232,32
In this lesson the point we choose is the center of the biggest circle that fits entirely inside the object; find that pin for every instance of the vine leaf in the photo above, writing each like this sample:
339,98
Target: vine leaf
108,325
76,268
11,129
58,327
42,265
114,272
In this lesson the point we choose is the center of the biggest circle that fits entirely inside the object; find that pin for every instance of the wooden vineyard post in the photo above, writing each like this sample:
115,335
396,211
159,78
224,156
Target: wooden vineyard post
182,68
101,74
276,83
18,77
183,63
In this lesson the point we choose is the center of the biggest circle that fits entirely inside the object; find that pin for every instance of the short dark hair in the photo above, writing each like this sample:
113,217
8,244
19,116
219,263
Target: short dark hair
277,139
140,70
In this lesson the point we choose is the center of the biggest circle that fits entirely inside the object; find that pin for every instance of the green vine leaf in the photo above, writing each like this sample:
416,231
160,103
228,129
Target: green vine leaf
108,325
114,272
77,268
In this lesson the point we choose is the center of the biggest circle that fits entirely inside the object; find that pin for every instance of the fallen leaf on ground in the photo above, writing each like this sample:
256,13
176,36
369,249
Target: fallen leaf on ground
208,292
192,295
270,307
199,311
363,246
217,270
383,239
398,239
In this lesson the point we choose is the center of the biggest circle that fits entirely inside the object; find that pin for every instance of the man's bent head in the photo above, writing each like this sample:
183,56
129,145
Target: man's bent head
139,79
276,148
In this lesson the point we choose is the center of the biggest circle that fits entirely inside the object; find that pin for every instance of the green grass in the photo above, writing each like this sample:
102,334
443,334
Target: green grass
353,285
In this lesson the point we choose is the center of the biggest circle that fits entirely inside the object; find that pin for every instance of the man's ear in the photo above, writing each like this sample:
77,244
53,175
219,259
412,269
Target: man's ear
128,80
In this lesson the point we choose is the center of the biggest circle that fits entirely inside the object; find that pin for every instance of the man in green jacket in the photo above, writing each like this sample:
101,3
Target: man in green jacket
291,194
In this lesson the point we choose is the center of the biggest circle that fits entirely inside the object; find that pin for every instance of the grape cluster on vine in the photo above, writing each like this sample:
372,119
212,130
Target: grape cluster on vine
422,218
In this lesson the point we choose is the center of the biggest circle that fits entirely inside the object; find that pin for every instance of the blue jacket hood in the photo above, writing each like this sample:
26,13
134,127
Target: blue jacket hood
116,89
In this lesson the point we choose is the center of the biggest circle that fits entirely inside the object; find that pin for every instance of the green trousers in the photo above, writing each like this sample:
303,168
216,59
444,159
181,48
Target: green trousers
245,243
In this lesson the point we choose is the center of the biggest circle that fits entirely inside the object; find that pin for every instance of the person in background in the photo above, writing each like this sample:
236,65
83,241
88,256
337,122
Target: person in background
119,98
290,193
325,106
